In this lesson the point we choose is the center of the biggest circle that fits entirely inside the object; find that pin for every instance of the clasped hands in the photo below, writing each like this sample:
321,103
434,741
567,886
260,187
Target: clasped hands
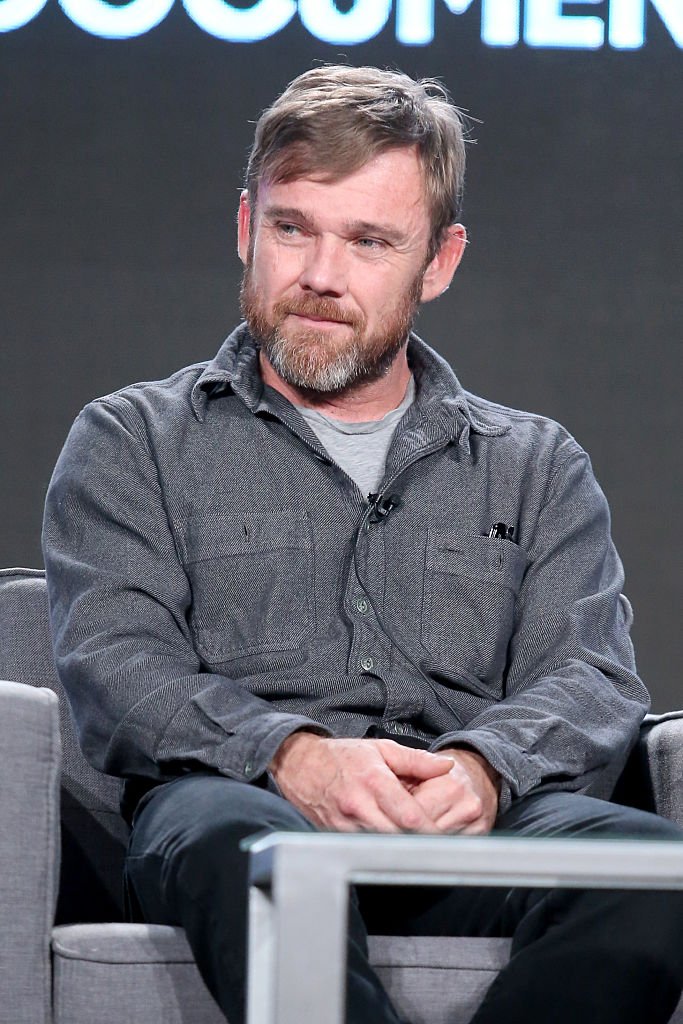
353,785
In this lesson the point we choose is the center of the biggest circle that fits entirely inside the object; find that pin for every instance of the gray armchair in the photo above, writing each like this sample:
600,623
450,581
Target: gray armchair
66,953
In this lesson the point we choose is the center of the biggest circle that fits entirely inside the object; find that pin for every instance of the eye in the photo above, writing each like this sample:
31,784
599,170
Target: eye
287,230
371,245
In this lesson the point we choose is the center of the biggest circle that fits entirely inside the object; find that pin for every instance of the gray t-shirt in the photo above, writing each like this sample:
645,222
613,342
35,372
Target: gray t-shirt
359,448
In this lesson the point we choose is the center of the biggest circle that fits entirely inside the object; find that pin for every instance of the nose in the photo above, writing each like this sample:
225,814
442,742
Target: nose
324,271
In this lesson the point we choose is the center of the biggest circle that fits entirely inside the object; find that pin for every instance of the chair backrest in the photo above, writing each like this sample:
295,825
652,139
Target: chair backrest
93,833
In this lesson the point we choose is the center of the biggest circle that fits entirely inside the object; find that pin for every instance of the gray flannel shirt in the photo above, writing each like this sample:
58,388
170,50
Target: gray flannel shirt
216,582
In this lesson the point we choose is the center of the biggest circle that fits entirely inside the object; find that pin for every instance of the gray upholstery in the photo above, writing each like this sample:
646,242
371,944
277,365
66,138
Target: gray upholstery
661,747
107,971
130,973
161,982
93,834
29,741
437,980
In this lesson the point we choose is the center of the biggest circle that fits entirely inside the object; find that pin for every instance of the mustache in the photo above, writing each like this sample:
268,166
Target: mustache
316,306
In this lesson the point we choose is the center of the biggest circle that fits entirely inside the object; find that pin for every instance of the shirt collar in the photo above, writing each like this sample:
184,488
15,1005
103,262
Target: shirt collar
440,396
234,368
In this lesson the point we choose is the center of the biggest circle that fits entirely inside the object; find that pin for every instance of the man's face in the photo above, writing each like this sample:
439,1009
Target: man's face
334,270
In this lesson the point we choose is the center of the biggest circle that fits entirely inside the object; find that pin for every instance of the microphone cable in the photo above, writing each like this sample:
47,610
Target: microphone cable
378,511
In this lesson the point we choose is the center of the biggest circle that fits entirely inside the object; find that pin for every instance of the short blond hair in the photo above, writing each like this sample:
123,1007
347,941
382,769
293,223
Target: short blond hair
333,119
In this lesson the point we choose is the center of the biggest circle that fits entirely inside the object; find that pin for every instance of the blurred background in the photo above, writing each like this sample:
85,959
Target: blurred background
124,132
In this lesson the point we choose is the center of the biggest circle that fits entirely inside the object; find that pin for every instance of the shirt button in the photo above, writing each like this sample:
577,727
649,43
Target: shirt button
361,605
367,664
248,767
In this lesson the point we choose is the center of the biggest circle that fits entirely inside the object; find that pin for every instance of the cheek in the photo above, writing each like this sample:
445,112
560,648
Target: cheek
277,273
378,298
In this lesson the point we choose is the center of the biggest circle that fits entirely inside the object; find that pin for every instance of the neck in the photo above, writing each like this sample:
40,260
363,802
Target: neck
366,401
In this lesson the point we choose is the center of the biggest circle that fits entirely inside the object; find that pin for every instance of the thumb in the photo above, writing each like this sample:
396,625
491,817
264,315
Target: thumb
415,763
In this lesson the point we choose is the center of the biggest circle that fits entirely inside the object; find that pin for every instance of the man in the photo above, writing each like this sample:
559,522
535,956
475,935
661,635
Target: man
315,584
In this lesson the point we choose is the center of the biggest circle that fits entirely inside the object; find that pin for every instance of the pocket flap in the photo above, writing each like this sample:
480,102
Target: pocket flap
224,533
473,555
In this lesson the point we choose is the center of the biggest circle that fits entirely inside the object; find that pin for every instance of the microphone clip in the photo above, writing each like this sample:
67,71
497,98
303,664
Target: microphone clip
382,506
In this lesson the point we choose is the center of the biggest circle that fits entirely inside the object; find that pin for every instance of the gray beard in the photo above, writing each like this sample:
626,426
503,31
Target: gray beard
341,371
311,362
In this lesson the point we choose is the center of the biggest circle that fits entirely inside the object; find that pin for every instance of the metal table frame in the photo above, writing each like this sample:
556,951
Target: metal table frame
299,887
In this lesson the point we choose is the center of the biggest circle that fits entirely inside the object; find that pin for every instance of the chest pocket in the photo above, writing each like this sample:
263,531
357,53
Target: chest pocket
470,587
252,582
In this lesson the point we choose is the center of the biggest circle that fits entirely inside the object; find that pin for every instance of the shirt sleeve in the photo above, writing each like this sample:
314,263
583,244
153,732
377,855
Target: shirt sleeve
572,702
119,600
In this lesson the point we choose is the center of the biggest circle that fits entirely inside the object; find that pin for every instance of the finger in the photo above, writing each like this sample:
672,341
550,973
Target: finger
359,810
466,818
448,802
480,827
382,791
380,822
412,762
374,821
477,828
435,801
403,809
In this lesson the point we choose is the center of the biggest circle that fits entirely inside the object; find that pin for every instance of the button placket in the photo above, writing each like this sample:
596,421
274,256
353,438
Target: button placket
369,645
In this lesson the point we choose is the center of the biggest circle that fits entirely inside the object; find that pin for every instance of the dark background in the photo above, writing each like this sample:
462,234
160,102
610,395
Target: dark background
121,162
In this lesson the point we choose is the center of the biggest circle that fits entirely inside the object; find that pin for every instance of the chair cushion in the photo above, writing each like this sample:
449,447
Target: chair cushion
147,973
437,980
136,972
112,973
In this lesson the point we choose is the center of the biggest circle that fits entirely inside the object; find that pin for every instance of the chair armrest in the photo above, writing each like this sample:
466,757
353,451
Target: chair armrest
29,849
661,743
653,777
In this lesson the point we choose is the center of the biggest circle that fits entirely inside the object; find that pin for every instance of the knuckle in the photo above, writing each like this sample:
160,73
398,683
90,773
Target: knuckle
472,808
475,805
349,804
343,824
411,818
377,780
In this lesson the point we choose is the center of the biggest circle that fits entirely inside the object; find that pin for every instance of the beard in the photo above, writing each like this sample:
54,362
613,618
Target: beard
312,360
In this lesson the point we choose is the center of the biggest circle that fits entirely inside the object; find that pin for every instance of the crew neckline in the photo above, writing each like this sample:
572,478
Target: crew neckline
362,426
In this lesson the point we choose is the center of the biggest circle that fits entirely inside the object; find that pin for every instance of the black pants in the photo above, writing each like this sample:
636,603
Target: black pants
578,957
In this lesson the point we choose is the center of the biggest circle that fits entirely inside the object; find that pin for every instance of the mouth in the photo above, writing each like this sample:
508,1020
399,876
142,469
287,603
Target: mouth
319,321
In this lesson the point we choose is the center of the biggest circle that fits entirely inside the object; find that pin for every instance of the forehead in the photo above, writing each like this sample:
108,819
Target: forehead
389,188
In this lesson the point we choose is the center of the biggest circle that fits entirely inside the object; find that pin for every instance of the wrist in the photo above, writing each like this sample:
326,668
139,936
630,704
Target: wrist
470,758
294,747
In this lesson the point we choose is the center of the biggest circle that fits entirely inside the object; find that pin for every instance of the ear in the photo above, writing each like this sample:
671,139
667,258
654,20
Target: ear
439,273
243,226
